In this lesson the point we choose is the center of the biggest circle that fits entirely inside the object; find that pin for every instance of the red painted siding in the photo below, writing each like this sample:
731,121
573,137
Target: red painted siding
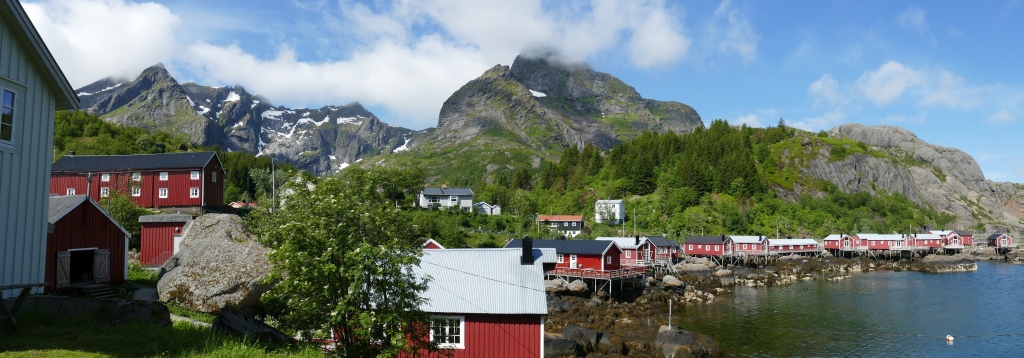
178,184
703,249
499,336
431,245
158,242
86,227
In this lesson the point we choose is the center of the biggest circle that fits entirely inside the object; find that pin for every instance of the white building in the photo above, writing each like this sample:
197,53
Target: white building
612,211
445,197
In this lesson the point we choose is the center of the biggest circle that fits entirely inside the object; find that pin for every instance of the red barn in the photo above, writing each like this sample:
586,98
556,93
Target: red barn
189,181
161,237
498,311
85,245
1000,240
579,254
705,245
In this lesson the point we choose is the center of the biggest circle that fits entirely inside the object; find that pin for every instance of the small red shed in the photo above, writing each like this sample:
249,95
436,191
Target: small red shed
631,250
1000,240
705,245
579,254
85,245
161,237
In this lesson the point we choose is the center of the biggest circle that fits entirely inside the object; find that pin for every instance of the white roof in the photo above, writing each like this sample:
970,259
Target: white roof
782,242
488,281
624,242
833,237
610,201
928,236
946,233
881,237
747,239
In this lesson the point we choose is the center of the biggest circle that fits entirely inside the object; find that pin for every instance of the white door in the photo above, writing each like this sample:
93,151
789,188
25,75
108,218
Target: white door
1003,243
572,261
846,242
177,244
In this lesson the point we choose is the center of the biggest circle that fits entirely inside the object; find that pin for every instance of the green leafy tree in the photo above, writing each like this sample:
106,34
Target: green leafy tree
126,212
343,267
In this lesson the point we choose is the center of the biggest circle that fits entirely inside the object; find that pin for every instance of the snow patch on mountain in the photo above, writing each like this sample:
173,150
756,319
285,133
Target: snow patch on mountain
238,125
190,102
232,97
100,91
538,94
202,111
404,146
346,120
255,102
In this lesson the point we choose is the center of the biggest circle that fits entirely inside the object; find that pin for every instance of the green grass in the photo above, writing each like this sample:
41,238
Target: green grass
196,315
141,275
88,337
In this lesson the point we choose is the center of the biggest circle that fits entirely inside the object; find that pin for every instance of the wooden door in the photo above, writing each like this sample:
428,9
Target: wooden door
63,269
101,265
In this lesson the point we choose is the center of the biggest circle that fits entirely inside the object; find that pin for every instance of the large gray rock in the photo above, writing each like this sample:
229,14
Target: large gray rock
577,286
219,265
231,321
555,285
680,342
670,280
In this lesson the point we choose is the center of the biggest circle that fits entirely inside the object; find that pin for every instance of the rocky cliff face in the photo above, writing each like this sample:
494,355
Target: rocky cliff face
548,105
321,141
947,179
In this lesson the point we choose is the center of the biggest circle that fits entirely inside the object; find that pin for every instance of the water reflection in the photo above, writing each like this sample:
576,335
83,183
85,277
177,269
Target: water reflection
873,314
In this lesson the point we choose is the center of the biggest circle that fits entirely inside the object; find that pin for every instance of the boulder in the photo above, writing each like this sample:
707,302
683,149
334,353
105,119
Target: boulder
577,286
558,346
587,338
673,341
555,285
229,320
691,267
219,265
723,273
670,280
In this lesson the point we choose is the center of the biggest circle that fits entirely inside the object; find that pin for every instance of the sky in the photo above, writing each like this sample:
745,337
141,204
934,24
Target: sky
951,72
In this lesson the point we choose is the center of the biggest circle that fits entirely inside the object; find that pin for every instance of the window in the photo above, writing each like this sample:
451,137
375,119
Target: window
573,224
561,258
433,200
447,332
104,192
136,176
105,177
70,191
195,175
163,193
136,191
691,247
214,177
744,246
453,199
607,259
628,254
163,176
7,117
193,193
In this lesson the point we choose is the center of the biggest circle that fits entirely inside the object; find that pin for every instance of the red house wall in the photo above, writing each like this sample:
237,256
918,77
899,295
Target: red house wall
158,242
86,227
431,245
178,184
499,336
703,249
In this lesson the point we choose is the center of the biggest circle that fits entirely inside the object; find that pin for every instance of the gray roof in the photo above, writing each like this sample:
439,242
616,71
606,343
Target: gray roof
660,241
706,239
624,242
581,247
165,218
447,191
62,205
95,163
488,281
996,236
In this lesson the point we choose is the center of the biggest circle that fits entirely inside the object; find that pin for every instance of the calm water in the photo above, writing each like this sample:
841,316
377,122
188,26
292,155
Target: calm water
876,314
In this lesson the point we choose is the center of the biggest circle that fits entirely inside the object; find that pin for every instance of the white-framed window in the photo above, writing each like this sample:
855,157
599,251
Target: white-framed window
717,247
136,191
195,175
105,177
744,246
104,192
70,191
691,247
573,224
629,254
193,193
433,200
7,115
163,176
162,193
448,331
561,258
453,199
136,176
607,259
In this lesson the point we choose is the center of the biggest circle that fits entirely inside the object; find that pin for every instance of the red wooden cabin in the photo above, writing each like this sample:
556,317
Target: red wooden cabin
750,245
929,241
792,246
579,254
85,244
705,245
1000,240
840,242
883,241
967,236
661,250
952,240
632,250
161,237
432,244
190,180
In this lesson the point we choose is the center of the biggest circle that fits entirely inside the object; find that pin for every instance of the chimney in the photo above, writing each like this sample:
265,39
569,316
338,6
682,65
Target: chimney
71,153
637,240
444,186
723,237
527,258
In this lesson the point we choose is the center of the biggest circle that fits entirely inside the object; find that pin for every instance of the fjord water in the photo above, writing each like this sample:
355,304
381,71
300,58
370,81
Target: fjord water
874,314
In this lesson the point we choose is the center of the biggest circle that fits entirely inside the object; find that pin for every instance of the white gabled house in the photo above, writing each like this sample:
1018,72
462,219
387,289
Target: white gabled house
611,211
32,89
445,197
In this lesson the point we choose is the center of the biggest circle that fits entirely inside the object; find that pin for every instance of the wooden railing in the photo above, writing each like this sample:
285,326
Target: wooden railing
608,274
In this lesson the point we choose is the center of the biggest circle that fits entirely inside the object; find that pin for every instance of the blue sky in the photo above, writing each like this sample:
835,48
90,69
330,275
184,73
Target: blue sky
951,72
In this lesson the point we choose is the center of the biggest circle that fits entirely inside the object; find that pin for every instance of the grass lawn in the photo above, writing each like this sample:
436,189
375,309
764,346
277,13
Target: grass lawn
86,337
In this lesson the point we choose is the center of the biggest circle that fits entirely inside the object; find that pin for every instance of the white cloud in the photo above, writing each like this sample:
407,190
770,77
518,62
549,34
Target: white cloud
903,119
826,90
915,19
947,89
1003,116
730,32
887,83
750,120
92,39
823,122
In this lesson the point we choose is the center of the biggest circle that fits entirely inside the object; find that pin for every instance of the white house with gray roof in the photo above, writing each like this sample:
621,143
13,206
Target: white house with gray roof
445,197
611,211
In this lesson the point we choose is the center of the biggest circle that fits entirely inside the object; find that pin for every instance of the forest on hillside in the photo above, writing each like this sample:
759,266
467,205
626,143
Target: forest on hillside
718,180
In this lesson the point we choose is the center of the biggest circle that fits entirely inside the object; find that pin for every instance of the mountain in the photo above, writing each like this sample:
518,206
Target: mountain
321,141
